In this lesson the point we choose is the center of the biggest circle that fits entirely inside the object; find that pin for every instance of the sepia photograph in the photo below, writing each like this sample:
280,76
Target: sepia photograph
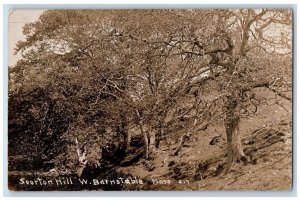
150,99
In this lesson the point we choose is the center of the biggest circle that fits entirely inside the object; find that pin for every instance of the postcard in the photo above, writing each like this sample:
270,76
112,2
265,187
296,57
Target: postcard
150,99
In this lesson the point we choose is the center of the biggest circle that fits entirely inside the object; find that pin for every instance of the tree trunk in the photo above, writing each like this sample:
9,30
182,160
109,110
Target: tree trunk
158,135
234,146
81,153
157,139
146,140
145,135
124,132
147,143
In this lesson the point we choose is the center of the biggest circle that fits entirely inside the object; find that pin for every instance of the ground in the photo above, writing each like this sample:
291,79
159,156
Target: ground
266,137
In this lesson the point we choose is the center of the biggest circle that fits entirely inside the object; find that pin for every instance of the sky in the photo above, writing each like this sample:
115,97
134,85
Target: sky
17,19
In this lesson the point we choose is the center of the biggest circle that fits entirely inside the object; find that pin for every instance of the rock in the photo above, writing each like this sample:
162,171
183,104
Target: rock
219,169
215,140
171,163
201,171
137,141
203,166
248,142
148,165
